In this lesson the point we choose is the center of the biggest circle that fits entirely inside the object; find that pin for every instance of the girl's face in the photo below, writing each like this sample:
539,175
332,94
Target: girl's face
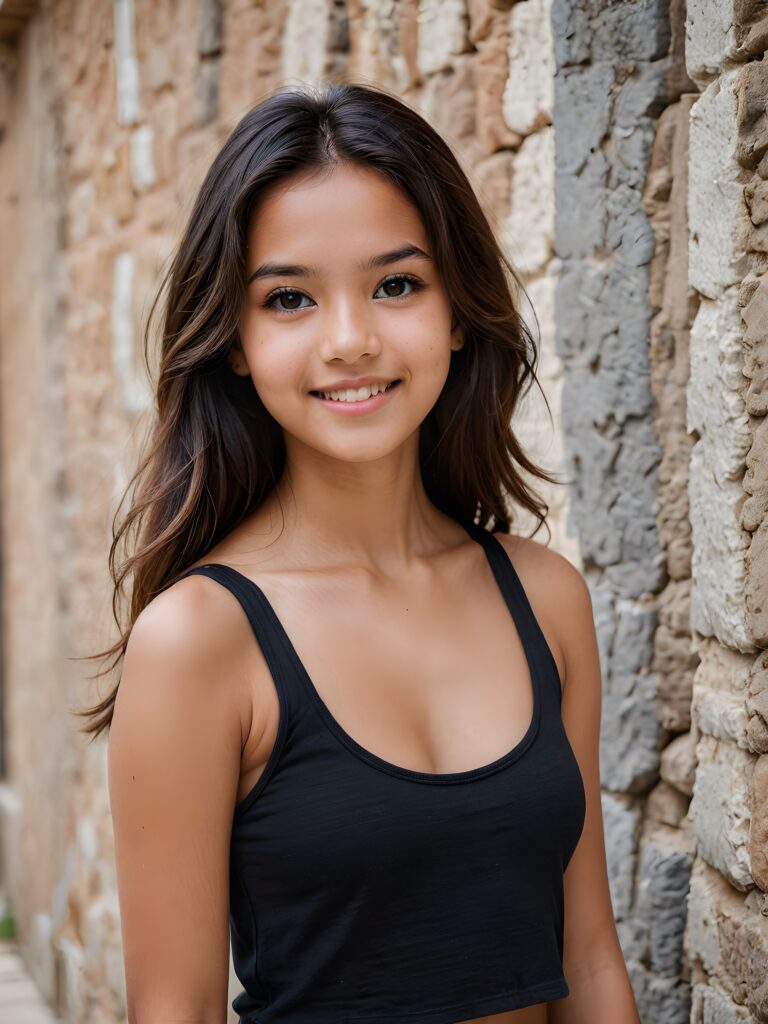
342,293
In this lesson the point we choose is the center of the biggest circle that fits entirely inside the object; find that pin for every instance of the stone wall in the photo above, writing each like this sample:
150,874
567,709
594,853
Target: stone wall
109,116
623,315
727,404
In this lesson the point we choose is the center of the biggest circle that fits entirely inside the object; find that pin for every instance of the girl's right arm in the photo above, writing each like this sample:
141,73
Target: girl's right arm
174,766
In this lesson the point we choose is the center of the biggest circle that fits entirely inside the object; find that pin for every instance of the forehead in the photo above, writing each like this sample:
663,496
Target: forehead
349,209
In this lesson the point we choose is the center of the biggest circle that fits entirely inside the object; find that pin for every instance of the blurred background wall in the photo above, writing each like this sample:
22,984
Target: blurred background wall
620,150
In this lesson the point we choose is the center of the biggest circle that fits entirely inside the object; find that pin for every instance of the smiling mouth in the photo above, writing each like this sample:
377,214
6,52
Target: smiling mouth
352,395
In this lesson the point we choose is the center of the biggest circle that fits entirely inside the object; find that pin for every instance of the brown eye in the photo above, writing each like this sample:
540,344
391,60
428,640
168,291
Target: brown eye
397,281
287,297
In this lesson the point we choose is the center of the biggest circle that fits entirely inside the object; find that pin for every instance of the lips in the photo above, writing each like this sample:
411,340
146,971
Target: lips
360,406
354,385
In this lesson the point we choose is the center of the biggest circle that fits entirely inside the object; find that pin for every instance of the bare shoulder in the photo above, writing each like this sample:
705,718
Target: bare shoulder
195,636
173,770
558,593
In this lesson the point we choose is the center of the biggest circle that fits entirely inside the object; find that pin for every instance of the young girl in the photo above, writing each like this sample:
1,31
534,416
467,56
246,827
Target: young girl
357,724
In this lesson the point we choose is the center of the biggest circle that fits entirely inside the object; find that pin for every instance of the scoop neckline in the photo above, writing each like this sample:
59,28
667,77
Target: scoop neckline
413,774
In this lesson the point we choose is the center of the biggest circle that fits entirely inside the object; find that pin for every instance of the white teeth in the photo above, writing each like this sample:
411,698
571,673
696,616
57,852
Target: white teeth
355,394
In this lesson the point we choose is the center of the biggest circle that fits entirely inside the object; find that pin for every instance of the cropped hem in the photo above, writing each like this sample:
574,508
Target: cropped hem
453,1014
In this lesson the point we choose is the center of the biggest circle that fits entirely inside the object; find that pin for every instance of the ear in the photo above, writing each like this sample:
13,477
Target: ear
236,361
457,336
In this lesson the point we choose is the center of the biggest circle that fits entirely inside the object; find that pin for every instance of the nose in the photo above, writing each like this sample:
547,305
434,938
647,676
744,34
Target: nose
349,331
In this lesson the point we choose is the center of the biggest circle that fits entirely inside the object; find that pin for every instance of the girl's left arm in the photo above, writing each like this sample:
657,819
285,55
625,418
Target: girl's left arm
600,990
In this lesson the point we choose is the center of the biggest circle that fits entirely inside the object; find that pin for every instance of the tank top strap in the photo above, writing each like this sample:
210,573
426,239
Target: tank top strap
264,622
531,635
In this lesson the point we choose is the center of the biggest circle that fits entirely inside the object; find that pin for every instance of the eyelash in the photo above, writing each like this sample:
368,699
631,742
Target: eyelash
416,284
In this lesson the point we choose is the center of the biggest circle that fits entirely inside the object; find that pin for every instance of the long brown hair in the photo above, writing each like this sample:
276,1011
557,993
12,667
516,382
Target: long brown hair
214,452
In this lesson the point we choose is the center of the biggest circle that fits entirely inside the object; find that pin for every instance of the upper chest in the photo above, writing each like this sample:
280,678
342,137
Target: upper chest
433,676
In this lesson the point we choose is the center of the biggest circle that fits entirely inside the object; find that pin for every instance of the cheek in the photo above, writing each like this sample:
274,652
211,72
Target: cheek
277,366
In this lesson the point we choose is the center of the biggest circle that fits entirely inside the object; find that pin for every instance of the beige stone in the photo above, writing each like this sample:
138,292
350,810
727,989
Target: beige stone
715,409
529,93
751,116
491,77
717,250
758,826
720,808
757,704
678,763
666,805
532,203
442,33
755,316
756,588
674,661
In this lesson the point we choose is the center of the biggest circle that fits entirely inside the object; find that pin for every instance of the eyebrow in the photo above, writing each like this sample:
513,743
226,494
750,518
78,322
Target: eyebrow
381,260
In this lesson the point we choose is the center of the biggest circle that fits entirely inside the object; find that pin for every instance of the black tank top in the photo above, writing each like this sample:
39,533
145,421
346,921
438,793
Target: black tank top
362,892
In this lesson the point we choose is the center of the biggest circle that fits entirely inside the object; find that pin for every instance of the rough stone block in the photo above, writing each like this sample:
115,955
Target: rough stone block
304,45
755,509
717,214
720,693
631,737
666,805
529,93
663,880
756,587
715,409
583,116
743,956
674,661
720,808
592,30
758,826
721,715
710,38
492,83
529,229
757,704
711,1006
755,316
442,33
621,824
678,763
659,999
751,88
718,595
707,891
581,208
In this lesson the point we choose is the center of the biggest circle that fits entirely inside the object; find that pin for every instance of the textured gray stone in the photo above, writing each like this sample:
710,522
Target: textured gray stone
621,820
581,212
659,1000
621,31
632,649
663,880
628,231
583,115
631,147
631,737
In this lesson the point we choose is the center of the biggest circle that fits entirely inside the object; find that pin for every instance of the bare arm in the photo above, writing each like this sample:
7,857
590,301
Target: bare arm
174,766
